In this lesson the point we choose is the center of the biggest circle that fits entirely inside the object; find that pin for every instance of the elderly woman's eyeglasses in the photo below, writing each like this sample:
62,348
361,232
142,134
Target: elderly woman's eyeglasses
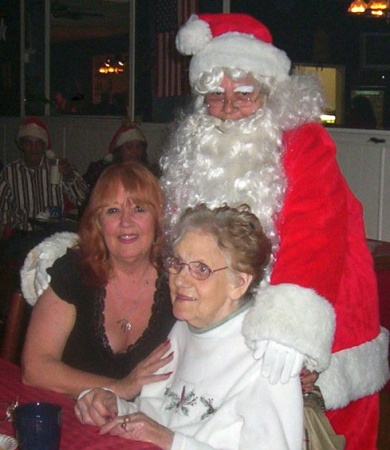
239,99
197,269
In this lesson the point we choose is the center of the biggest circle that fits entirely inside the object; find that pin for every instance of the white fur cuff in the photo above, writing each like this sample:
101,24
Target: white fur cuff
296,317
356,372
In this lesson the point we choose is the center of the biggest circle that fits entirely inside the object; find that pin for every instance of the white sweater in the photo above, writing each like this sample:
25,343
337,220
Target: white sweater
217,398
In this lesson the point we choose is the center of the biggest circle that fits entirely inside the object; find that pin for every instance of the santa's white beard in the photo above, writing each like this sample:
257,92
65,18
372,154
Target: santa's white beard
233,162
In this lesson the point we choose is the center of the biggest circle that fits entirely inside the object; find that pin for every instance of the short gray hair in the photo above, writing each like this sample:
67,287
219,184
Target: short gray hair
238,234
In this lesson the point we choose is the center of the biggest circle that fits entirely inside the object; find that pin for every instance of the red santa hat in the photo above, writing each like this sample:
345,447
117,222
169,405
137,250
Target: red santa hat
231,41
33,127
126,133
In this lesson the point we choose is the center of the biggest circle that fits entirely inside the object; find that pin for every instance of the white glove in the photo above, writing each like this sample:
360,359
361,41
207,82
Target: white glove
280,363
42,278
34,277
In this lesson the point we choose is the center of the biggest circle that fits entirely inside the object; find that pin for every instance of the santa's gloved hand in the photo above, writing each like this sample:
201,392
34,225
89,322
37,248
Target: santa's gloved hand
42,278
280,363
34,277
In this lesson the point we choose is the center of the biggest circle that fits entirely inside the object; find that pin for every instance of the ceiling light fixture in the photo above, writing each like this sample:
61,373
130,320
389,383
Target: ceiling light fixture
374,8
112,65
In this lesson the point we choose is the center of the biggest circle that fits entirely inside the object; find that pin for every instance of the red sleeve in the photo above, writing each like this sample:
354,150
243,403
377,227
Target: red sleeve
313,223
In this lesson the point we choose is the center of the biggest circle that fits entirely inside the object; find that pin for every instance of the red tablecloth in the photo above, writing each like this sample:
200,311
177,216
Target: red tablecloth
75,436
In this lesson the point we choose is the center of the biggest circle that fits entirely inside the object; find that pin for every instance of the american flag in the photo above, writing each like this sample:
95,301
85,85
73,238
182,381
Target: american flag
171,76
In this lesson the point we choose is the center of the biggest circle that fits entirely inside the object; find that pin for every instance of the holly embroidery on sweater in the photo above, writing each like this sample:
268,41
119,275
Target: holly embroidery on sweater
184,401
181,402
210,409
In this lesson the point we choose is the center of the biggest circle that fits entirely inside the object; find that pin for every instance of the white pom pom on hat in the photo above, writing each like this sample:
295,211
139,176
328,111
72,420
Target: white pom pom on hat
231,41
193,36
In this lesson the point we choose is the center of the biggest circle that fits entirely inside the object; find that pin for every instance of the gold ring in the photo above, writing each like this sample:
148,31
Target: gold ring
126,420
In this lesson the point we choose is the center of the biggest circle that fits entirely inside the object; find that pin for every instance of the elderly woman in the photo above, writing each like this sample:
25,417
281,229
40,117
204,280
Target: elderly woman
107,307
216,396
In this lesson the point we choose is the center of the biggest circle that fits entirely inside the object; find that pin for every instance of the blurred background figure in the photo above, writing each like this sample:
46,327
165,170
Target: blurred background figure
27,189
128,144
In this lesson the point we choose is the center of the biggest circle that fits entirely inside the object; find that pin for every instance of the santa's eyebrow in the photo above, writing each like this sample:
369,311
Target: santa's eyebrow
247,88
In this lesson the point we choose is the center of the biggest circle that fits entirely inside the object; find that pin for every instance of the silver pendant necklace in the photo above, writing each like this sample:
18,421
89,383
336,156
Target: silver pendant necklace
125,325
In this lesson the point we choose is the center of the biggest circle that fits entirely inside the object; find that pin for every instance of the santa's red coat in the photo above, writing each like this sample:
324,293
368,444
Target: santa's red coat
323,247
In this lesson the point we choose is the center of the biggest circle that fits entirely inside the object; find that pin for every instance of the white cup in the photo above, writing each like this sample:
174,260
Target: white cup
55,171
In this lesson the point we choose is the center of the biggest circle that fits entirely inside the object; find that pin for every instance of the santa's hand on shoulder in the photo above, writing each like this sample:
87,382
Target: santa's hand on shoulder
42,278
280,363
34,276
288,326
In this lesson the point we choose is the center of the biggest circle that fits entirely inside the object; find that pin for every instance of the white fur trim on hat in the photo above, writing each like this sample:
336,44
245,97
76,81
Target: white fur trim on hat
132,134
235,50
232,49
32,130
296,317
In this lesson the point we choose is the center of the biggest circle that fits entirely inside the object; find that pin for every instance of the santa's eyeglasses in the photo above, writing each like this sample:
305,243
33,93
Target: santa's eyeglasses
238,99
197,269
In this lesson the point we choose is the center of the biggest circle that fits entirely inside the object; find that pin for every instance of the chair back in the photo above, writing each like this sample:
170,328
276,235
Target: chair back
15,328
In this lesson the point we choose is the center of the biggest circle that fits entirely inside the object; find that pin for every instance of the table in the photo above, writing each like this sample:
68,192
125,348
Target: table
75,436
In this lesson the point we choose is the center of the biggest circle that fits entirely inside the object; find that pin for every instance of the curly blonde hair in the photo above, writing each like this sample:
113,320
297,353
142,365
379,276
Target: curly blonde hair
142,188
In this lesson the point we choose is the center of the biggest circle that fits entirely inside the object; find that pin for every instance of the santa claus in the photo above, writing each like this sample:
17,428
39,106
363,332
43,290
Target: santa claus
254,138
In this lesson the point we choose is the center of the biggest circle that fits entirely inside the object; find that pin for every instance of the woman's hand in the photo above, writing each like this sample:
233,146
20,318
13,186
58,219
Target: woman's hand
139,427
144,373
96,407
308,380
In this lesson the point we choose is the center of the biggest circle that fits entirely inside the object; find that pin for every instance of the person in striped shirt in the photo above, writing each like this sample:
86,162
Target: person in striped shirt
27,190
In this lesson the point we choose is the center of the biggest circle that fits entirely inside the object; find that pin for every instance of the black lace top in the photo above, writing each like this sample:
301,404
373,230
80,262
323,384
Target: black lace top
88,347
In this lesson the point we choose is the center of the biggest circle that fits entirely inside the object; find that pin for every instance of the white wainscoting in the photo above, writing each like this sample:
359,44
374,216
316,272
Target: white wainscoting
364,158
365,164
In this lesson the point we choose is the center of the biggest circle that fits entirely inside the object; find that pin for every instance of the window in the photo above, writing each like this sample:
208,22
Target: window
89,57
